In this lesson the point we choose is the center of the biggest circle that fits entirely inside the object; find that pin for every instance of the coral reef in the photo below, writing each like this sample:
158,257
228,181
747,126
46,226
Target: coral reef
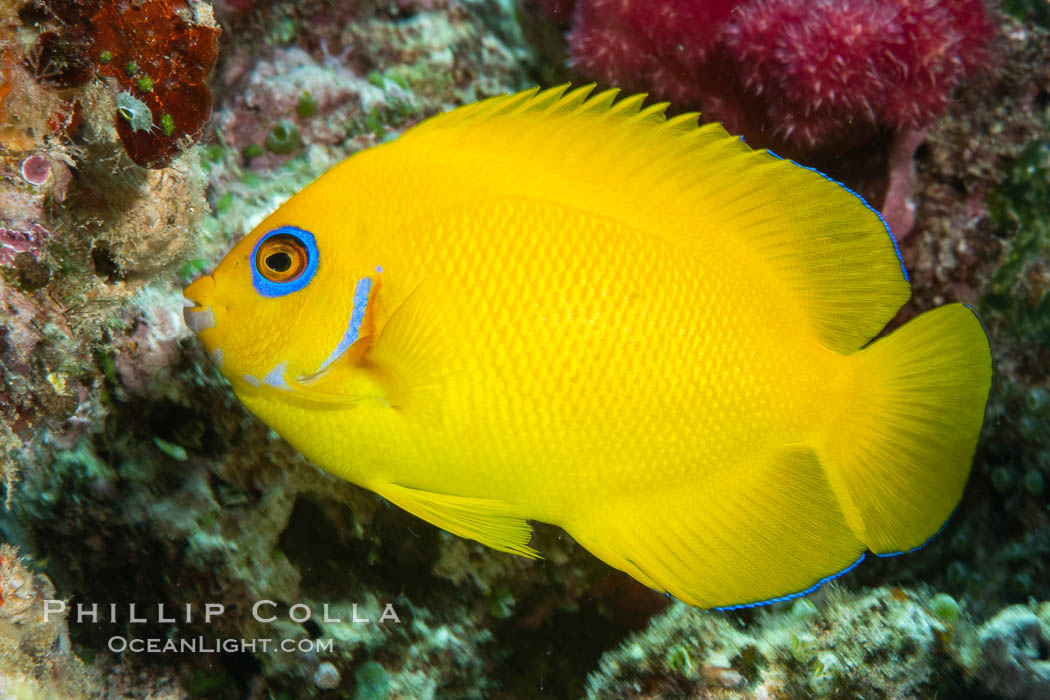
887,643
34,640
1015,652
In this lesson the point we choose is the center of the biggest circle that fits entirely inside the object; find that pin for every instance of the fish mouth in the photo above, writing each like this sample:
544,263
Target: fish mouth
199,319
199,315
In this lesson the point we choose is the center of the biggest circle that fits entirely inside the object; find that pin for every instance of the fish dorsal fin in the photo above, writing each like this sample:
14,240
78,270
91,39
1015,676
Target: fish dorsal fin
696,186
491,522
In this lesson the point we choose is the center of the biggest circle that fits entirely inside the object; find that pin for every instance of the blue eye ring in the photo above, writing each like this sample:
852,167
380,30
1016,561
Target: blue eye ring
294,257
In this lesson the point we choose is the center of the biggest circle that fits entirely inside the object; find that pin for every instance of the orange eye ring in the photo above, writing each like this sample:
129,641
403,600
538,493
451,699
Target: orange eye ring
281,258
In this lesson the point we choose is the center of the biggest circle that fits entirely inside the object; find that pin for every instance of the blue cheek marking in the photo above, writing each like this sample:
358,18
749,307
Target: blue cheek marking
278,289
893,239
357,317
275,377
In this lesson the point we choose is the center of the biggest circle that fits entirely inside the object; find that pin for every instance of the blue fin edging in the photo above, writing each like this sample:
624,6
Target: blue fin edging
889,232
799,594
991,386
930,539
823,580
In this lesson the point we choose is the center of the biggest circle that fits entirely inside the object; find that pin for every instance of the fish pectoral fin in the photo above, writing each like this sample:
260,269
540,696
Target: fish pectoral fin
491,522
321,393
750,534
413,353
404,364
341,383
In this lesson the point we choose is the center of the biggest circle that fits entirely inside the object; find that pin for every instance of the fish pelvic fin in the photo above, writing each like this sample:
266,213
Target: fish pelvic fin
905,433
491,522
764,530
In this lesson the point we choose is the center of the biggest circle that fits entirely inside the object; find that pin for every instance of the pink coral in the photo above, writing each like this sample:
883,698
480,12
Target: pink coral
36,170
13,242
645,45
800,75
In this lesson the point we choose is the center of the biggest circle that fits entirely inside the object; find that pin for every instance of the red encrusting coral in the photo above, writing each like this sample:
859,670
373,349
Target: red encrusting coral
59,59
158,52
799,75
162,60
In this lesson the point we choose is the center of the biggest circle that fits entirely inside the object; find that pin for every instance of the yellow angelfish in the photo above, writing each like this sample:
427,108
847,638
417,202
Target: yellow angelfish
548,307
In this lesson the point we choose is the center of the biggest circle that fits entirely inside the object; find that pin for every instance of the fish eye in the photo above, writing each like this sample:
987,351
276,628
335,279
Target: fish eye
281,258
284,261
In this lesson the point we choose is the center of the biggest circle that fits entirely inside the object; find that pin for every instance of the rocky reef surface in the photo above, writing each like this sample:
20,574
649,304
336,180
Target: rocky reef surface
133,477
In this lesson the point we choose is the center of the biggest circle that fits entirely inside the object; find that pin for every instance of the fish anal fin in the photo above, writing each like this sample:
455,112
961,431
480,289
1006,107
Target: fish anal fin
756,533
493,523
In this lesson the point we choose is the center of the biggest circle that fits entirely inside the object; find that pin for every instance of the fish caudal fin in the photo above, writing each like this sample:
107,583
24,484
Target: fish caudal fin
900,452
762,531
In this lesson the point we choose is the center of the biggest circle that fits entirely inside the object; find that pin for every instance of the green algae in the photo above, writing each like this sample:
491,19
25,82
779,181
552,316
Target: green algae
307,105
224,203
373,682
176,452
1034,11
1020,208
679,661
207,683
501,603
252,150
374,123
283,138
167,124
214,153
945,607
803,608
